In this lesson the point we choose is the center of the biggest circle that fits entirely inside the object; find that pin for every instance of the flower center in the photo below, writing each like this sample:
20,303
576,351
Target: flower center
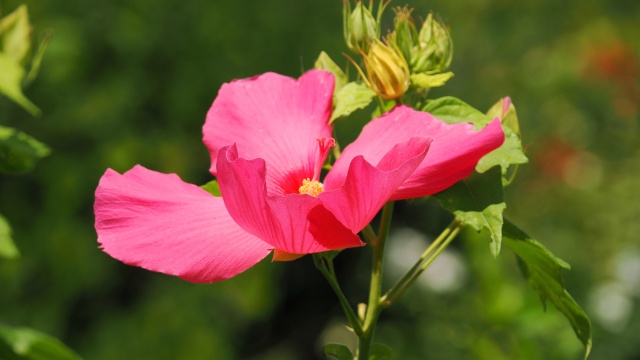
311,187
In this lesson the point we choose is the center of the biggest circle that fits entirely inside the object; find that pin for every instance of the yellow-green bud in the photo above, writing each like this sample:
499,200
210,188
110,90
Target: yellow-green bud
359,26
387,70
434,50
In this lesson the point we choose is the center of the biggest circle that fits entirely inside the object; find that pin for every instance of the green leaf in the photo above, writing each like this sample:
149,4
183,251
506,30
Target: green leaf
324,62
339,351
544,272
511,152
7,247
427,81
19,152
350,98
25,343
212,188
11,75
478,201
380,352
453,110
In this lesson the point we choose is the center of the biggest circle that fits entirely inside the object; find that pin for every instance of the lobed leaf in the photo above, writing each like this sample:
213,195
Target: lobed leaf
325,62
350,98
543,270
478,201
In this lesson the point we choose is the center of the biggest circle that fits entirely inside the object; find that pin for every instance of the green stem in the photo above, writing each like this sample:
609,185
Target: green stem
326,268
432,252
370,236
374,306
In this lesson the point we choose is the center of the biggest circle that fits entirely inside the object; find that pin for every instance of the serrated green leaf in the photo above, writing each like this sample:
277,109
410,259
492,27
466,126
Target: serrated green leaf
11,75
212,188
339,351
509,153
28,344
478,201
324,62
427,81
19,152
350,98
543,270
380,352
7,247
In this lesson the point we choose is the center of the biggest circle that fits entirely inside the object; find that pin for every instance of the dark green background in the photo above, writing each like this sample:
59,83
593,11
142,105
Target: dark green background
129,82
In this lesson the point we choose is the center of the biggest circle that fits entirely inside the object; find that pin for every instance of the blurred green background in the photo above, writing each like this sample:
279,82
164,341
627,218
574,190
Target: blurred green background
129,82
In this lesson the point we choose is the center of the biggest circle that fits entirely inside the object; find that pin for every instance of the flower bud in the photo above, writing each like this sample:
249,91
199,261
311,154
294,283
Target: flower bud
434,49
359,26
405,34
387,70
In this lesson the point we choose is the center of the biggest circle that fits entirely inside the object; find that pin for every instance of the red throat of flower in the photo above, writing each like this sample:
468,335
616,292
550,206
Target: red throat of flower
313,186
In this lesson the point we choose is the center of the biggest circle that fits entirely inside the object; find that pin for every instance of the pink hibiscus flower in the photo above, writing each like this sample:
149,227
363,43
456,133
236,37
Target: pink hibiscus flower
269,137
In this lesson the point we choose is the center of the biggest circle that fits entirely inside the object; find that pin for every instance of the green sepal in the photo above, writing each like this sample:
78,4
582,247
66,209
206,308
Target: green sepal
543,270
453,110
478,201
349,98
28,344
212,188
324,62
7,248
339,351
428,81
19,152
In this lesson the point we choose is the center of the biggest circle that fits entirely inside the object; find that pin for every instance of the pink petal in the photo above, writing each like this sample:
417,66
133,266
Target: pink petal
275,118
157,222
293,223
368,188
454,152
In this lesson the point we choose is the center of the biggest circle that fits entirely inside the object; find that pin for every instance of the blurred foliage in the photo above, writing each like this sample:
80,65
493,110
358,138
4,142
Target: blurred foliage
128,82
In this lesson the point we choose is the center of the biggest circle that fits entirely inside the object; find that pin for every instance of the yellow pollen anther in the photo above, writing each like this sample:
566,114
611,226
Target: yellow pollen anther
311,187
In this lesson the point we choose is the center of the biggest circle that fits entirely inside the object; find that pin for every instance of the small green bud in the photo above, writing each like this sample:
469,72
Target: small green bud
434,49
359,26
405,34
